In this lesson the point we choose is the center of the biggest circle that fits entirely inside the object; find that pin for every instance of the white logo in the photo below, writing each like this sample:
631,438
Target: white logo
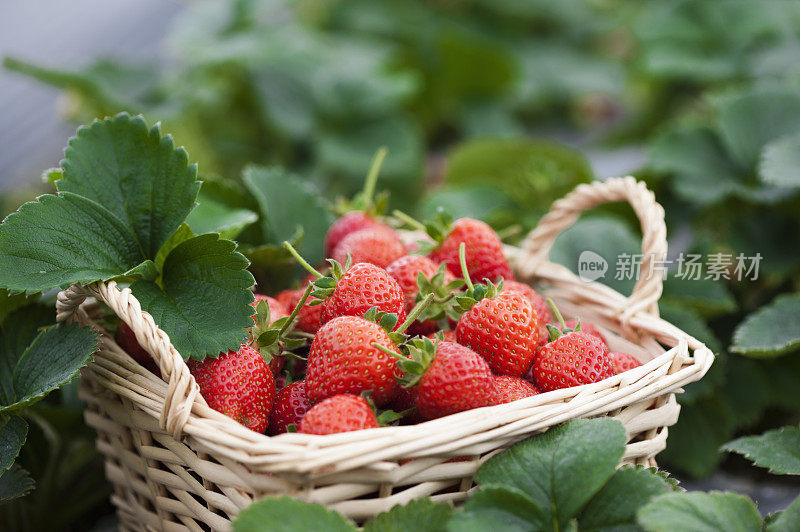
591,266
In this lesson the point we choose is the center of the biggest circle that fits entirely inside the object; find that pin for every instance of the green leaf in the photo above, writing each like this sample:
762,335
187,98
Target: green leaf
286,203
12,438
135,173
53,359
700,512
284,514
778,450
15,483
705,296
203,302
212,216
181,235
10,302
64,239
495,507
614,506
561,469
770,331
780,162
608,237
481,202
422,515
691,322
18,330
750,120
347,150
533,173
787,520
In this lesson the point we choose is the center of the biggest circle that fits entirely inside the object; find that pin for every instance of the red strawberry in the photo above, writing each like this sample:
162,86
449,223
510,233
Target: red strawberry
447,336
538,303
361,287
126,339
485,258
502,329
587,328
448,378
571,360
342,359
277,309
622,362
349,223
378,245
513,388
340,413
308,316
405,271
239,384
290,406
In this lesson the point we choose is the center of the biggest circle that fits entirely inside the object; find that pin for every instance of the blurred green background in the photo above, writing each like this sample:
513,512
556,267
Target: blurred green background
491,109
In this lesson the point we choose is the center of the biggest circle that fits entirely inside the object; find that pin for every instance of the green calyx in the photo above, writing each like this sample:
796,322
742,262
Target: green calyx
324,285
555,332
417,357
278,338
437,228
474,292
385,418
442,295
388,320
367,200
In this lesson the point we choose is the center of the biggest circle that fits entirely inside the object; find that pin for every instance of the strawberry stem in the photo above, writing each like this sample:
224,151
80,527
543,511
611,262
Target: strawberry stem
415,312
388,351
301,260
462,258
408,220
368,193
557,313
296,310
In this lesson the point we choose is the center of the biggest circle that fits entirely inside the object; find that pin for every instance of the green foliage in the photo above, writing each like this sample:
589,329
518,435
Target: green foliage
771,331
700,512
778,450
12,438
287,514
15,483
422,515
199,277
787,520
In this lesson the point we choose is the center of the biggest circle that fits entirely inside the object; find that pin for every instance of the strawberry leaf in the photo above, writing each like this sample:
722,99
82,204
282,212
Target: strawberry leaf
701,512
770,331
285,514
785,521
51,360
213,216
135,173
422,515
203,298
778,450
562,469
499,504
12,438
14,483
58,240
780,162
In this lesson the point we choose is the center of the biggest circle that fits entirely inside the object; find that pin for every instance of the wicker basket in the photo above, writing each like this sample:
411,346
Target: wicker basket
176,464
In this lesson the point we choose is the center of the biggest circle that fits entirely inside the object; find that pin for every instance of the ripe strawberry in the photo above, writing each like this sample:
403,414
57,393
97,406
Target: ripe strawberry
277,309
447,336
308,316
504,330
538,303
239,384
361,287
405,271
342,359
622,362
485,258
340,413
290,406
448,378
126,339
587,328
513,388
379,246
349,223
571,358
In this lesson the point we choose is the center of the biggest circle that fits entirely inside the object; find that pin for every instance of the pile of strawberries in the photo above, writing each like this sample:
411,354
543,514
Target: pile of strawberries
398,332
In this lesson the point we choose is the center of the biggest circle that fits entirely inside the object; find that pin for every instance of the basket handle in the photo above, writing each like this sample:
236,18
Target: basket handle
564,213
182,390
